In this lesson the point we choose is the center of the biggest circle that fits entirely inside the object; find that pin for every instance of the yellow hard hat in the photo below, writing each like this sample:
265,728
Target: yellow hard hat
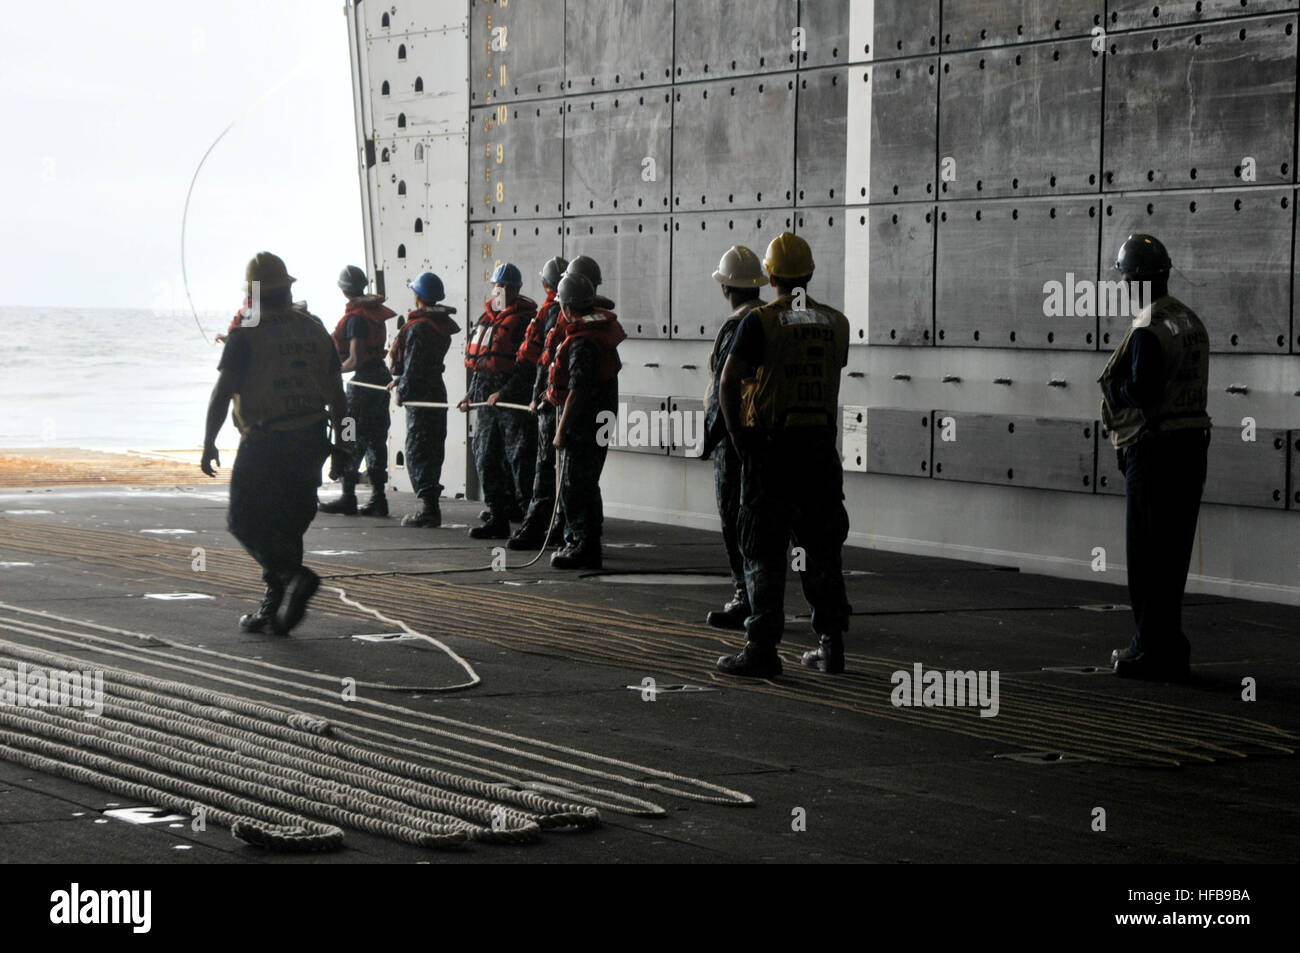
740,268
788,256
269,270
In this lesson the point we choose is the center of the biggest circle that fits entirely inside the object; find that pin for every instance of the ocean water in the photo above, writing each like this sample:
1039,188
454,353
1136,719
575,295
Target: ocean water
103,379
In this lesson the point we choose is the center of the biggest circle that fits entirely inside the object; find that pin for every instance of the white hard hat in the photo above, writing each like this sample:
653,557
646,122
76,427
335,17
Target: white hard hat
740,268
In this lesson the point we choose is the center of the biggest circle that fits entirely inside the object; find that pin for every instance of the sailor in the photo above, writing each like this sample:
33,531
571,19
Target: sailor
504,442
586,266
583,386
247,308
779,394
533,356
360,338
741,275
283,373
417,359
1154,392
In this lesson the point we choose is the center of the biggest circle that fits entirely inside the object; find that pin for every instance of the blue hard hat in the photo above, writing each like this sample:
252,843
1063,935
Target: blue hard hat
507,274
429,287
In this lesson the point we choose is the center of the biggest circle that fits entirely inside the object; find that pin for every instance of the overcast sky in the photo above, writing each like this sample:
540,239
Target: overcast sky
107,109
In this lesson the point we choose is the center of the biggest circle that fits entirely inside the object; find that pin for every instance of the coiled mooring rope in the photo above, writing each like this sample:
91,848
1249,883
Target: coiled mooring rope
261,776
530,800
438,725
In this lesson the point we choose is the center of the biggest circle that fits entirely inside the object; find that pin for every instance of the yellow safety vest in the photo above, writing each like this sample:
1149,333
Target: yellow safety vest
804,352
289,377
1185,349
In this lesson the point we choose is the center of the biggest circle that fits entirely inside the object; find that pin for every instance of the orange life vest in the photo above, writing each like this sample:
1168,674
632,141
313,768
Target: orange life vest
534,347
437,317
494,341
555,336
376,315
601,328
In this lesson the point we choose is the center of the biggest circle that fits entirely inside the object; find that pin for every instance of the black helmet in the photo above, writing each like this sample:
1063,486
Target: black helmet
1142,258
353,280
553,270
587,267
576,291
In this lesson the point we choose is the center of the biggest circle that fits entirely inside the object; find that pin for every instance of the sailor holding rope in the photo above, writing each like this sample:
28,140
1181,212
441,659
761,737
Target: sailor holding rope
417,360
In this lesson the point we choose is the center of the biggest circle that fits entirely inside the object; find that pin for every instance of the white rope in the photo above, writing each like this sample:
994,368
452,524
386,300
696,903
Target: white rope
504,742
154,731
527,779
474,678
561,460
444,405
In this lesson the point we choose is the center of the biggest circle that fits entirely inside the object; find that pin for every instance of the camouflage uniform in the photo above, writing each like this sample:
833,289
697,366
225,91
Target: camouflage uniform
421,353
369,409
584,455
504,444
542,507
504,440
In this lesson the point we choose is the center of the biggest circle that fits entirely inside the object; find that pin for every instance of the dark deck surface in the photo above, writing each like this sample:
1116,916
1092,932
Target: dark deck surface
1185,774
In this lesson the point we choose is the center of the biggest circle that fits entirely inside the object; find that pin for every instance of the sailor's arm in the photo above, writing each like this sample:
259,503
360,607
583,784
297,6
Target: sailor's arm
1141,383
354,355
734,371
218,406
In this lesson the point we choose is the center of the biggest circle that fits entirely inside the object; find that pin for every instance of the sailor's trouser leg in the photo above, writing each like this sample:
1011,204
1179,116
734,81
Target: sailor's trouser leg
580,495
542,504
369,411
763,531
490,461
819,527
426,447
1164,480
726,484
519,435
273,497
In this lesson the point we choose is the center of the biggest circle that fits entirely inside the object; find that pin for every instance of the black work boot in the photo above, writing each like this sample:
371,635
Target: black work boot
578,556
515,513
259,618
293,606
828,657
1170,667
754,661
526,538
733,614
378,505
345,505
492,528
430,516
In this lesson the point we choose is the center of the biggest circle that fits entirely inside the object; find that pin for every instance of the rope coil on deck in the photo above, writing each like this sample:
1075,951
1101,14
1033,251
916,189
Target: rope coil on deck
261,771
288,779
506,742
